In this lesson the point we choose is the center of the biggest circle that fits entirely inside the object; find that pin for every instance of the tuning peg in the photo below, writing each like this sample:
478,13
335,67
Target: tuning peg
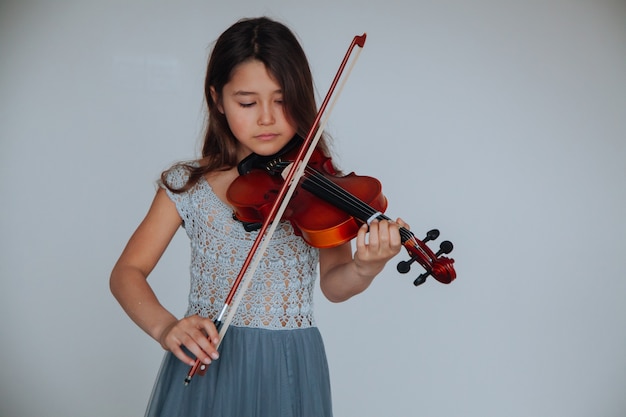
445,248
431,235
405,266
421,279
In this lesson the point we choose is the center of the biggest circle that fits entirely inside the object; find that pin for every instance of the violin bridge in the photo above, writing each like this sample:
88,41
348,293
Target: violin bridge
286,168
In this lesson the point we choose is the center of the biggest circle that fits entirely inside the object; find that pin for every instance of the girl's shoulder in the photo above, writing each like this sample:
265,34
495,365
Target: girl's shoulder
177,182
182,176
177,176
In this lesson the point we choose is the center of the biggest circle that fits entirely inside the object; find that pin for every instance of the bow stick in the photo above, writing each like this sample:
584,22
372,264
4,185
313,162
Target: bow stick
280,204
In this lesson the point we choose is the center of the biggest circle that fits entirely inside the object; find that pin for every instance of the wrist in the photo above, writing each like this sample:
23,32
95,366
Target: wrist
366,271
160,332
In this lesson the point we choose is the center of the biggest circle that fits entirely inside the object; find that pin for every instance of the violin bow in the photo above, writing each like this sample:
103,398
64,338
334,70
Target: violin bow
279,206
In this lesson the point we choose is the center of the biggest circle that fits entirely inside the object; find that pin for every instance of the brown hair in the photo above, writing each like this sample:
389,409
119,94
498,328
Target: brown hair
277,48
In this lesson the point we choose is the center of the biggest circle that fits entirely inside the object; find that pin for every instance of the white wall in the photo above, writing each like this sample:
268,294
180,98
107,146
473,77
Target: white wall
501,123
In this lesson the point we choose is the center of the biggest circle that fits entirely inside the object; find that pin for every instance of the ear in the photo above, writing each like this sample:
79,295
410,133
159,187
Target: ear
216,99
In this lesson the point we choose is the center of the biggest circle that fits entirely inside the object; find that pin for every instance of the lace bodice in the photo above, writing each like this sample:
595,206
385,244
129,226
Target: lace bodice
281,292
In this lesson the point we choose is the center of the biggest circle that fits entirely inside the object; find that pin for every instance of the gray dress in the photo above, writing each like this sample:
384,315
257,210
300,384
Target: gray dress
272,360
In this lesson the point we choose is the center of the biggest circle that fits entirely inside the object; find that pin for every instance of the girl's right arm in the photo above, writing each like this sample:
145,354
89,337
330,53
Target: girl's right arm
130,287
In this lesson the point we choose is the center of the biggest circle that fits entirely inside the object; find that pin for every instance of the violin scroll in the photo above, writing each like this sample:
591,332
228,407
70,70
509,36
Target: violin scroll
437,266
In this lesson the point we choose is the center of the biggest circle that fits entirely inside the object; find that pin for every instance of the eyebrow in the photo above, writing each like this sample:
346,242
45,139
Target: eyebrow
252,93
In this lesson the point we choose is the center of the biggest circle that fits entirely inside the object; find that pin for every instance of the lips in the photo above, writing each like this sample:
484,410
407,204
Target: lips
266,136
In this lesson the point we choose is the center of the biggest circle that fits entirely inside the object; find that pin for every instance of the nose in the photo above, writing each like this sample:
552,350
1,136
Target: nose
266,115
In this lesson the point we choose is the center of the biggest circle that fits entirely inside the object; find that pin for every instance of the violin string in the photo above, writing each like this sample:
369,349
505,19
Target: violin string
357,206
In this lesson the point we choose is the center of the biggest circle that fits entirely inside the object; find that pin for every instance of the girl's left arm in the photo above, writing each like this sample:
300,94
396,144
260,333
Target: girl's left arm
343,276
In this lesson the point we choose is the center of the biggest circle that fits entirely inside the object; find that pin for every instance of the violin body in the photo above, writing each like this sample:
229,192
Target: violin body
321,223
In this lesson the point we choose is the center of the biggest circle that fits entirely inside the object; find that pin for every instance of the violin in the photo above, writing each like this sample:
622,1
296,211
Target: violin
326,209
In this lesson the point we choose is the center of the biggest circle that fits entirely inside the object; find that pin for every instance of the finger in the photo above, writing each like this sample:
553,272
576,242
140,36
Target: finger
402,223
204,335
374,232
180,354
361,238
211,331
190,333
388,236
199,345
395,240
207,338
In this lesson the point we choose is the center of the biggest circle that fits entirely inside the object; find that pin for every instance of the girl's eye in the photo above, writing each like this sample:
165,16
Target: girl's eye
246,105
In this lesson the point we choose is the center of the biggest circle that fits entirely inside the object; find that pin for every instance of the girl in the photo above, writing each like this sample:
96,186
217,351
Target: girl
259,93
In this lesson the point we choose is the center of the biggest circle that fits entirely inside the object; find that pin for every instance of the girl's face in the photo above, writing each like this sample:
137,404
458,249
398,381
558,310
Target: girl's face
252,102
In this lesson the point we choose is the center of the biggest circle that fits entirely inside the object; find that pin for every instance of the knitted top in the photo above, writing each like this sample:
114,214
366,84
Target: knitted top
280,295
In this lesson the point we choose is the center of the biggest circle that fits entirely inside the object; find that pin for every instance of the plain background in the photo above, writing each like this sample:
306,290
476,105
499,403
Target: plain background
502,123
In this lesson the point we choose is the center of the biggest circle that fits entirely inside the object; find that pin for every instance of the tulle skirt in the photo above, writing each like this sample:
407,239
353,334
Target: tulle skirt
260,373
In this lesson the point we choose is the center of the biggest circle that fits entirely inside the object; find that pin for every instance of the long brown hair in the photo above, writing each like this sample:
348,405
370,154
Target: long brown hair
277,48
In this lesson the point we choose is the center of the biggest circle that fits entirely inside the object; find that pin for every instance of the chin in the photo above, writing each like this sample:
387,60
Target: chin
269,148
